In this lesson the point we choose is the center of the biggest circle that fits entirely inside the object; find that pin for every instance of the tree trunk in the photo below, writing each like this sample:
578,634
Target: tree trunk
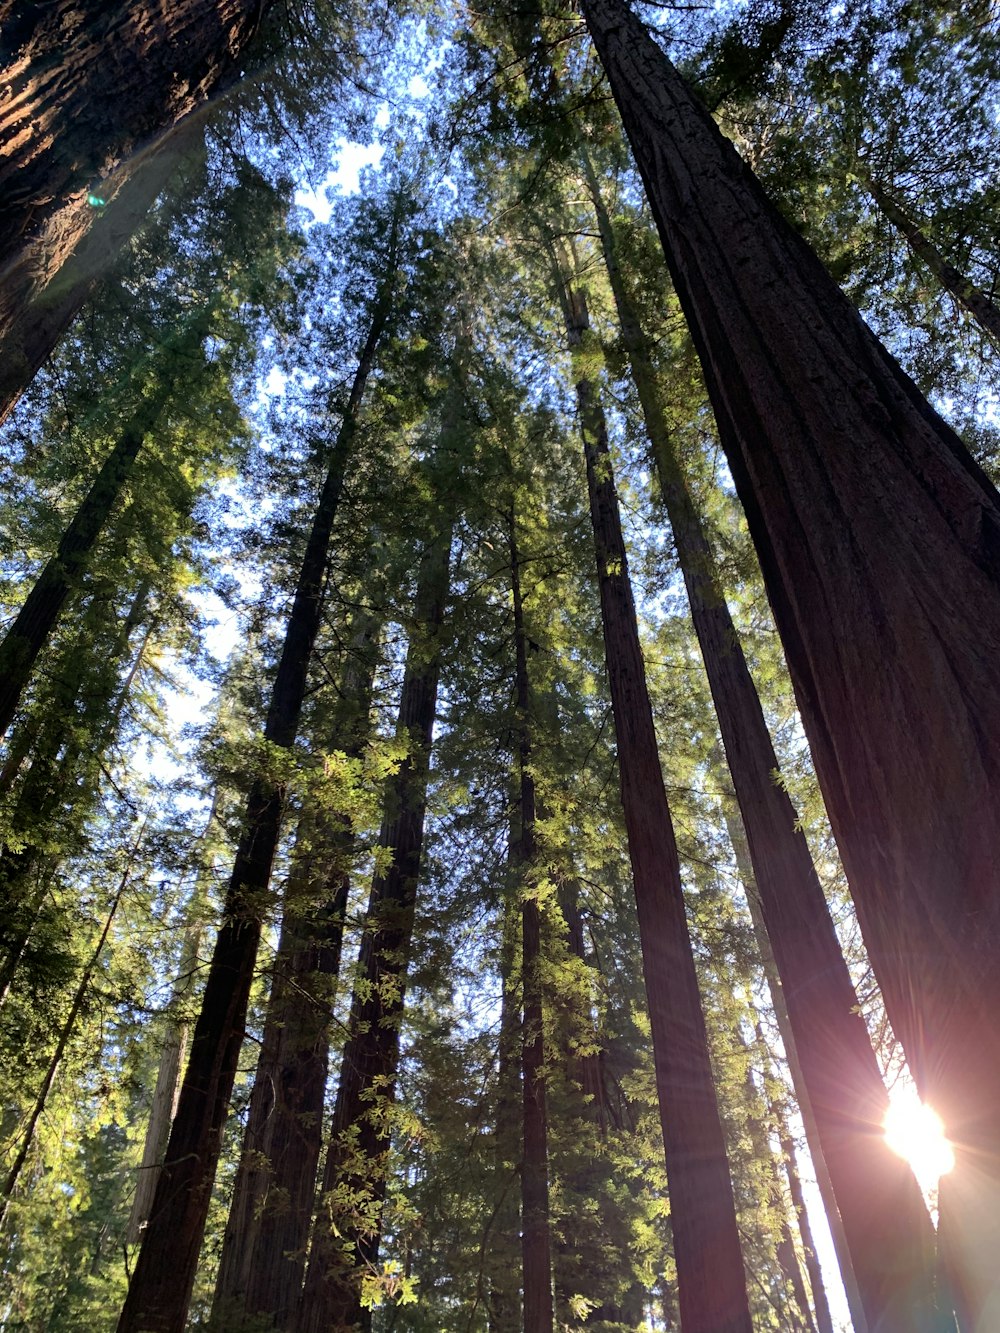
89,91
710,1277
360,1138
65,1033
879,540
61,576
161,1286
264,1249
536,1246
36,332
966,293
888,1230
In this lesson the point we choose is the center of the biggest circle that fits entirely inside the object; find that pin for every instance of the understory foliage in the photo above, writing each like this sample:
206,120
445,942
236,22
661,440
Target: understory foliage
248,291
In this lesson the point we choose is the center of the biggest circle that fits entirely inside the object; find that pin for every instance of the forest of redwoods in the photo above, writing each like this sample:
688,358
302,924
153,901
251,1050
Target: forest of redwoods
500,580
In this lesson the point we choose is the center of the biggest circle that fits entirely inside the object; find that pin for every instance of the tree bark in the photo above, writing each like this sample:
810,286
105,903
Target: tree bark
161,1285
89,91
888,1231
970,297
36,331
354,1172
710,1277
879,540
536,1244
264,1249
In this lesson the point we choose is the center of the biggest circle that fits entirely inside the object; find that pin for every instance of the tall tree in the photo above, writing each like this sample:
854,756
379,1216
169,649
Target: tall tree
165,1271
888,1231
536,1247
890,634
347,1233
710,1274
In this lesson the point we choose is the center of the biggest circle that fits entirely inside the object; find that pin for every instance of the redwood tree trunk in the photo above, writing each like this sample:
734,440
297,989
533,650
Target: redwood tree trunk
33,334
879,539
710,1277
89,90
888,1231
161,1286
264,1249
536,1245
360,1138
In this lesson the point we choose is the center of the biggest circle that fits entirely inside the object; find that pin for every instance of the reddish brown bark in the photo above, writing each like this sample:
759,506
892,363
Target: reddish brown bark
161,1285
879,540
360,1137
30,339
89,89
889,1234
264,1249
711,1282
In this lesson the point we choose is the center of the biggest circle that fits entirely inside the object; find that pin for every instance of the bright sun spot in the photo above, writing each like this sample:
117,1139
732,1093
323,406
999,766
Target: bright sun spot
917,1133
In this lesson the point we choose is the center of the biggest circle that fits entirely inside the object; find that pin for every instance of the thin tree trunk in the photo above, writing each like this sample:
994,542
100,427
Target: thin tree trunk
879,540
888,1230
966,293
264,1249
37,329
500,1243
536,1245
710,1277
161,1285
65,1033
89,91
360,1138
172,1052
43,789
61,576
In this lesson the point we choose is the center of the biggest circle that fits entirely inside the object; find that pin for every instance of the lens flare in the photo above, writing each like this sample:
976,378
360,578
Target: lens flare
916,1133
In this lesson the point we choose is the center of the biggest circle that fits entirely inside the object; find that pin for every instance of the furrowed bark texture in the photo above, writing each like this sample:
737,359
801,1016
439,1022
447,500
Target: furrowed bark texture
360,1138
264,1249
30,339
710,1275
966,293
88,90
160,1290
536,1245
889,1233
879,540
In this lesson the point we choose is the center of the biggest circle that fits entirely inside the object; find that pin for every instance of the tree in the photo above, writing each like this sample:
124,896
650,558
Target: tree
165,1270
711,1283
895,625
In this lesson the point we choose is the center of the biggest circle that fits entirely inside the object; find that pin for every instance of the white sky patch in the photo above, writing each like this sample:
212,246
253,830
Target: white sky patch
344,178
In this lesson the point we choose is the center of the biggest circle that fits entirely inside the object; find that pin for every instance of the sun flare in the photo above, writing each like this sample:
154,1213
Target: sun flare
916,1132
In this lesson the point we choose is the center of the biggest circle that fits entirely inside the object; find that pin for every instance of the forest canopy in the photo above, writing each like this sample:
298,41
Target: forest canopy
499,726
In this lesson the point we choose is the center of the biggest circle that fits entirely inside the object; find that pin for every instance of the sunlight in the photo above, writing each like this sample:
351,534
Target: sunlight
916,1132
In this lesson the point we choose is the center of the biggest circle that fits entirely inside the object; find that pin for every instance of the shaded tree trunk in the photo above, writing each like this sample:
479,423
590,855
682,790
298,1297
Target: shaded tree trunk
264,1249
62,574
970,297
161,1285
89,92
879,539
888,1231
36,331
536,1245
354,1178
711,1282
